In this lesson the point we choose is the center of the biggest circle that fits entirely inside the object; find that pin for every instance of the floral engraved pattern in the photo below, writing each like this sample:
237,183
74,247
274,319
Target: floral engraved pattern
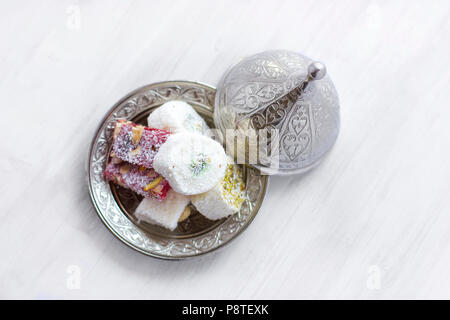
297,139
269,117
111,211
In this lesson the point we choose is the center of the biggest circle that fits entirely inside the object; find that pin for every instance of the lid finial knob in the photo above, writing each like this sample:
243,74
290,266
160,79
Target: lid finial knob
316,71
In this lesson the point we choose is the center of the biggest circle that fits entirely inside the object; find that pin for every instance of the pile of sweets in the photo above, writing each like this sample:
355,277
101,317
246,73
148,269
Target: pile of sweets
171,163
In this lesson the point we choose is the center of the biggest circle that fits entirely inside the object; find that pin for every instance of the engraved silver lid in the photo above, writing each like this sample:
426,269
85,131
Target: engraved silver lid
290,96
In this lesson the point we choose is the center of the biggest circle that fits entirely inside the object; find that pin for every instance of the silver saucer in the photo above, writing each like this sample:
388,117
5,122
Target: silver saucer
115,206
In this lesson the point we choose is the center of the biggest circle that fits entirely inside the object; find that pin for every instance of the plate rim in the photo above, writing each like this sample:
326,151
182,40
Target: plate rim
99,212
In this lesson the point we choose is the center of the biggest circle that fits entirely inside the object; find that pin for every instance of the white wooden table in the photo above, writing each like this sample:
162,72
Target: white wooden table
373,221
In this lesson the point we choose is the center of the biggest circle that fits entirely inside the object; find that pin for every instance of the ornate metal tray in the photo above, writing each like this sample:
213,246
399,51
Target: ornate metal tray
115,206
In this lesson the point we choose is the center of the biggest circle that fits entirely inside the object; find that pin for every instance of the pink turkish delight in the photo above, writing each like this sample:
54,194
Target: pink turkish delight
139,179
137,144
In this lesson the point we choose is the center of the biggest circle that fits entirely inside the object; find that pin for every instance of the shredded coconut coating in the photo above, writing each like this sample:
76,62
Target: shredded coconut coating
192,163
137,144
146,182
177,116
165,213
225,198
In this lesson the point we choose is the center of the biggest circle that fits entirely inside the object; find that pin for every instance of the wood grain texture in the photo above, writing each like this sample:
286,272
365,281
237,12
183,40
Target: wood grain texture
371,222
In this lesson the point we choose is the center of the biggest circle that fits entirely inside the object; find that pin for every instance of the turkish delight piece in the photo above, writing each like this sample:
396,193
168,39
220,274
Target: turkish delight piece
146,182
192,163
165,213
177,116
225,198
137,144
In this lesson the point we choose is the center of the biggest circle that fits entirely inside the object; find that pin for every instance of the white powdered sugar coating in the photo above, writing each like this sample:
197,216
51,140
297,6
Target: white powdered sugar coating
164,213
177,116
192,163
